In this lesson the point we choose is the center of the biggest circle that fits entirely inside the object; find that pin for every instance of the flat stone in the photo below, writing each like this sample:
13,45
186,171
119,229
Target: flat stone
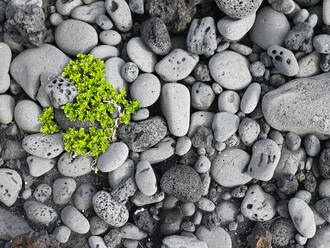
321,238
115,155
88,13
112,73
74,167
175,241
7,106
45,58
10,186
75,220
160,152
300,106
39,213
26,115
120,14
216,238
145,178
238,9
39,166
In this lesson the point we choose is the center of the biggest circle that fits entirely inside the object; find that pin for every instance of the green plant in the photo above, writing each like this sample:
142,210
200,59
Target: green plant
49,126
97,101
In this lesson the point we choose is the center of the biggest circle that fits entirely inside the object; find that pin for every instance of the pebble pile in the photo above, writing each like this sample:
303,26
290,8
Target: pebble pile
230,147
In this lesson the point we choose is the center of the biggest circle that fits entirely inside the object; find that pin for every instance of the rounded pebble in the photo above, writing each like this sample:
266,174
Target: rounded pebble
75,220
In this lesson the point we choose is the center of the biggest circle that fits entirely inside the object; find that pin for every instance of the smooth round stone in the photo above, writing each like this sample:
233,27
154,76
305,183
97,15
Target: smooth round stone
129,71
224,125
6,55
104,52
258,205
230,70
43,146
284,60
175,105
322,207
113,73
146,89
162,151
202,164
302,217
321,43
326,12
141,55
75,220
228,101
183,145
11,184
113,157
26,115
56,19
324,188
321,238
216,238
7,106
248,131
5,82
176,241
265,157
83,196
183,182
46,58
27,193
96,242
155,35
104,22
65,7
141,114
74,167
250,98
98,226
63,189
131,231
226,211
42,192
202,96
39,166
238,8
177,65
270,28
309,65
304,195
39,213
74,37
88,13
62,234
229,166
111,211
235,29
293,141
120,14
145,178
200,118
110,37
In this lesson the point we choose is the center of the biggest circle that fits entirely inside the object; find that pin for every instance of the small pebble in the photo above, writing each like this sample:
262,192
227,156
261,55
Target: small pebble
229,101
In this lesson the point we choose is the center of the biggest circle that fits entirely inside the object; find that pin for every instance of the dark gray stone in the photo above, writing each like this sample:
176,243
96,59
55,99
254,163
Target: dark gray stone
139,136
325,62
283,232
299,38
202,138
183,182
324,163
323,208
288,184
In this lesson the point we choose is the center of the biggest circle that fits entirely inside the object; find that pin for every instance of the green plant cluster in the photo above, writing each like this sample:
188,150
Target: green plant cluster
49,126
97,101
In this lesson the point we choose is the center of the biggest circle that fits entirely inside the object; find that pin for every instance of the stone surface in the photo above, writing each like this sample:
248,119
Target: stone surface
63,189
112,73
160,152
224,125
321,238
238,9
202,96
7,106
75,220
83,196
122,173
115,155
39,166
229,166
183,182
26,115
74,167
10,186
45,58
216,238
299,106
283,60
39,213
120,14
145,178
230,70
88,13
175,241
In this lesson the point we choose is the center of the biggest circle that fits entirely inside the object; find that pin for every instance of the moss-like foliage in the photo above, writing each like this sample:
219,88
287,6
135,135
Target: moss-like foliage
97,101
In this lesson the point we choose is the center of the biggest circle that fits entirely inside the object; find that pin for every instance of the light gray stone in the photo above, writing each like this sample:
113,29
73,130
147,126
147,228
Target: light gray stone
215,238
39,213
250,98
224,125
248,131
321,43
75,220
145,178
82,198
284,60
321,238
129,71
110,37
326,12
141,114
229,166
39,166
98,226
160,152
104,22
63,189
131,231
10,186
228,101
182,146
202,96
175,105
88,13
309,65
7,106
112,73
74,37
62,234
324,188
120,14
42,192
65,7
123,172
26,115
104,52
96,242
237,8
115,155
200,118
74,167
175,241
230,70
6,55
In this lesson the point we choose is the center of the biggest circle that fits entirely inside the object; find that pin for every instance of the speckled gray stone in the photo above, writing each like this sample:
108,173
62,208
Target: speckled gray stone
63,189
238,9
40,213
11,184
74,167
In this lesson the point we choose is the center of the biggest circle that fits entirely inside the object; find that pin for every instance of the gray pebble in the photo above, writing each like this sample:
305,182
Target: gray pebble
104,22
183,145
129,71
130,243
123,172
115,155
145,178
202,164
75,220
111,211
284,60
202,73
205,204
240,48
131,231
201,38
104,52
324,188
321,238
226,212
238,9
110,37
239,192
265,157
258,205
74,167
39,166
304,195
228,168
82,198
63,189
155,35
214,237
40,213
309,65
88,13
293,141
56,19
321,43
7,106
287,184
257,69
200,118
224,125
98,226
125,189
96,242
302,217
65,8
146,89
229,101
202,139
312,145
175,241
10,186
234,29
323,208
217,89
137,6
120,14
6,56
283,233
62,234
26,115
140,199
248,131
141,114
42,192
285,7
202,96
160,152
27,193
